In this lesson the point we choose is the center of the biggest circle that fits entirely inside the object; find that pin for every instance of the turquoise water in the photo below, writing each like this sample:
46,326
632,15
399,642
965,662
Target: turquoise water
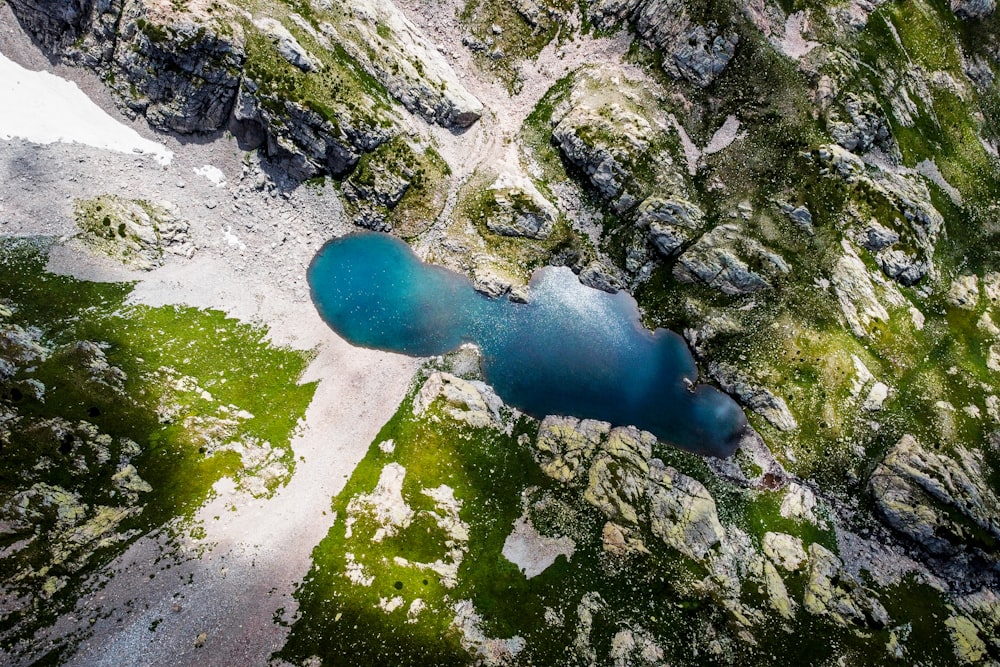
572,351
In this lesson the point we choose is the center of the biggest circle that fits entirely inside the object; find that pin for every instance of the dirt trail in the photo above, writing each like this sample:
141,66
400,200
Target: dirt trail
490,146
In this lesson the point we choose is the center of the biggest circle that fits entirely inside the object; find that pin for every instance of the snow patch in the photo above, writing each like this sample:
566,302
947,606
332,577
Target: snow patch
231,238
213,174
44,108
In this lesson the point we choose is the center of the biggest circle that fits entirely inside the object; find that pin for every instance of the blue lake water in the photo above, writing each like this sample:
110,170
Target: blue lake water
572,351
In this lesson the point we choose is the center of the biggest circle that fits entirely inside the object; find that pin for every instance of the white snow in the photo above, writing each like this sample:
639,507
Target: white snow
44,108
213,174
723,137
231,238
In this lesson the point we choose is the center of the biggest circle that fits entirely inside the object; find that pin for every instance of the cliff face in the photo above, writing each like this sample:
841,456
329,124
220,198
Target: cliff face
214,66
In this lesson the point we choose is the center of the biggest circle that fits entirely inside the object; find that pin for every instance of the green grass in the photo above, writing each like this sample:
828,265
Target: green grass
658,594
233,361
422,169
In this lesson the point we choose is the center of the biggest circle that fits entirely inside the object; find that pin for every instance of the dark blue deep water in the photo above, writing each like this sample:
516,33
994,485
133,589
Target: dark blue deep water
572,351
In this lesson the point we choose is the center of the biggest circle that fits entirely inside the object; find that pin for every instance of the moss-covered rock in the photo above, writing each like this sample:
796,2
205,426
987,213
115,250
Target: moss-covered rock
135,232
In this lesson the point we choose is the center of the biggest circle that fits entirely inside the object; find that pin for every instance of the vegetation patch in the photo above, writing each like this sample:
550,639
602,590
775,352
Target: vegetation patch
116,419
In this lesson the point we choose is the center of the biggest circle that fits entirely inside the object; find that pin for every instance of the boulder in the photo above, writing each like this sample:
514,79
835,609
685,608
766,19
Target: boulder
128,481
876,398
801,216
759,399
633,490
903,267
46,502
784,550
618,540
964,292
943,502
682,512
799,502
471,402
19,347
856,293
876,237
825,593
565,445
487,280
600,160
973,9
969,647
776,592
385,505
834,592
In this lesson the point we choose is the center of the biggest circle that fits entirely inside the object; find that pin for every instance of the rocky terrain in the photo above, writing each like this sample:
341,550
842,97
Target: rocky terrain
806,191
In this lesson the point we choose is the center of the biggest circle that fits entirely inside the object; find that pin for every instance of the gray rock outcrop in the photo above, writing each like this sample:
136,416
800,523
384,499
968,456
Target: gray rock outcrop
53,22
721,259
833,592
618,475
973,9
609,128
672,223
471,402
759,399
189,70
565,445
692,51
390,48
286,44
137,233
682,512
865,126
919,221
702,54
876,237
862,296
943,502
598,276
521,212
784,550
